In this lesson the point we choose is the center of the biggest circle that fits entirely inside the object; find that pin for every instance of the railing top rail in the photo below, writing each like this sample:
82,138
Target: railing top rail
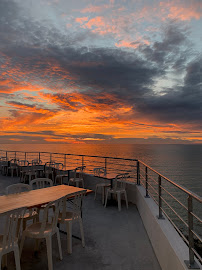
78,155
192,194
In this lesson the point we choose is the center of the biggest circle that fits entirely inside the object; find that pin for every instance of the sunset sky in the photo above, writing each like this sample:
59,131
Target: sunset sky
79,71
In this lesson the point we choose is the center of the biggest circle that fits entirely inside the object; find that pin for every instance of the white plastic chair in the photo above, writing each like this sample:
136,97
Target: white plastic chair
30,173
30,213
22,163
59,177
41,183
118,189
36,162
99,172
77,177
68,217
49,167
45,229
9,240
13,167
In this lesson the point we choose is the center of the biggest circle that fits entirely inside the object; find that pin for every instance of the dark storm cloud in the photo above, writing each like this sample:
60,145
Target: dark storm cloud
42,135
183,104
173,50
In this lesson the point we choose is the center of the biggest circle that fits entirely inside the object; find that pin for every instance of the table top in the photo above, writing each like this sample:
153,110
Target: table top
109,176
36,197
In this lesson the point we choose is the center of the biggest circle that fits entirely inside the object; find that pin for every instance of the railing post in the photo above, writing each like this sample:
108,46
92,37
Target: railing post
15,155
39,156
6,155
65,161
106,165
191,264
138,173
160,216
146,183
82,161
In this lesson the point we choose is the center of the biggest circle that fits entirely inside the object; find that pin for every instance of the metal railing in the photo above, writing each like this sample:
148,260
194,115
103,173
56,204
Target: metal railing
160,188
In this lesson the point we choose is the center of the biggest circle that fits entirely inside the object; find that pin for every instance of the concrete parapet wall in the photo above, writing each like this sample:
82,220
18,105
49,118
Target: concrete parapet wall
170,249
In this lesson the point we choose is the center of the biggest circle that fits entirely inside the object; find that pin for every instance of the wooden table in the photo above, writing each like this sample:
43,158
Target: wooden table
36,197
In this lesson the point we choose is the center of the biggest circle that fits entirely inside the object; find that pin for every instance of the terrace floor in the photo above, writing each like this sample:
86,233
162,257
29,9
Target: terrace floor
114,240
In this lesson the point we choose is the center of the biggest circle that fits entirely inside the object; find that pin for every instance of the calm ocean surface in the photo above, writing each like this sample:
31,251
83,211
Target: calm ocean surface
180,163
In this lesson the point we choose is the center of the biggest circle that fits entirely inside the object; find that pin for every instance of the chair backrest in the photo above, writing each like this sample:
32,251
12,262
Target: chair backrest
120,181
49,166
75,204
59,166
17,188
36,162
23,162
78,172
41,183
12,227
99,171
54,207
13,163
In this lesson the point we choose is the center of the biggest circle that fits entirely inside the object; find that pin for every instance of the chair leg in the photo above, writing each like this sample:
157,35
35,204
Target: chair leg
106,198
69,237
24,224
95,192
22,243
49,252
82,233
59,243
37,244
17,258
4,261
103,195
126,199
119,200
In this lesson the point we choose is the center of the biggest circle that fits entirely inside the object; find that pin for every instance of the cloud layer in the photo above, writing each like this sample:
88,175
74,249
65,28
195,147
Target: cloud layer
100,73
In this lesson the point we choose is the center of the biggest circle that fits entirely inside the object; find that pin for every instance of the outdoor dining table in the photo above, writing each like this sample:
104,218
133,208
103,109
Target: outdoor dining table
37,197
68,170
110,177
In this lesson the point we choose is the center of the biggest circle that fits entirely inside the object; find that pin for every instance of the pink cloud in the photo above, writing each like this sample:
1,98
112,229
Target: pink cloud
134,44
96,9
182,11
81,20
96,22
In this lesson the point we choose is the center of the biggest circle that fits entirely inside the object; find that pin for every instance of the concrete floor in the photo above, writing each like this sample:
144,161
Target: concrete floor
114,240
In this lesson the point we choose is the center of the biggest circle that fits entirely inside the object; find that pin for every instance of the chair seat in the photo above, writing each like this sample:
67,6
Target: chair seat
68,217
75,180
61,175
103,185
116,190
33,230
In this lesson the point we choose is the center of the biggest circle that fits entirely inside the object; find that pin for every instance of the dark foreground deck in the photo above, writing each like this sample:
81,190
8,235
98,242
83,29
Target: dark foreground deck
114,240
